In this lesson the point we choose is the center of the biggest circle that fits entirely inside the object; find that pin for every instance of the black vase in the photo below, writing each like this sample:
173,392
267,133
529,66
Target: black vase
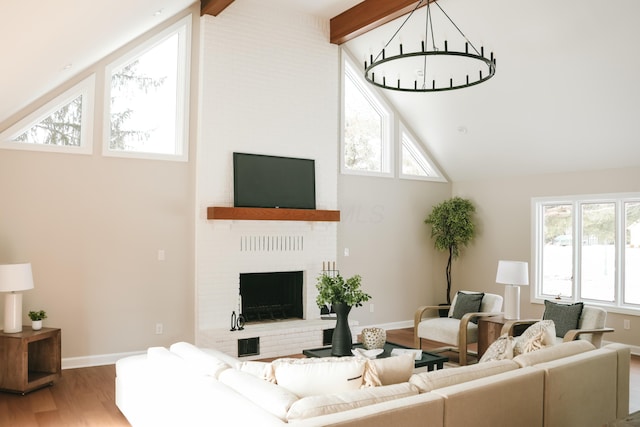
341,340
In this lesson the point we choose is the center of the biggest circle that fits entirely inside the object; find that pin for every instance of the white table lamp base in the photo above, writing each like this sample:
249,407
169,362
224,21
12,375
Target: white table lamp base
512,302
13,313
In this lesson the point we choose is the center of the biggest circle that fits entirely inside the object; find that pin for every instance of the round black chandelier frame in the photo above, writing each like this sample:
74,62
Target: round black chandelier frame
486,71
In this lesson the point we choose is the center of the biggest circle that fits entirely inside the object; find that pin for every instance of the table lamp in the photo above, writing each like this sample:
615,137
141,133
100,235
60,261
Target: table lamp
14,278
513,274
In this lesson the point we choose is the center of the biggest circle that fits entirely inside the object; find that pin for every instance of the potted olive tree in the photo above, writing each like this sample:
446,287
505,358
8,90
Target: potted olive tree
342,295
452,228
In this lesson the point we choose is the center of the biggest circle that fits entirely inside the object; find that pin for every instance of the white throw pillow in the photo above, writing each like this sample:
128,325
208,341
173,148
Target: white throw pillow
502,348
314,376
539,335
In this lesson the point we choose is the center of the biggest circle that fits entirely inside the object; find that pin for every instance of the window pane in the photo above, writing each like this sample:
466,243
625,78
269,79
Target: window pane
632,253
362,131
63,127
557,251
598,251
144,101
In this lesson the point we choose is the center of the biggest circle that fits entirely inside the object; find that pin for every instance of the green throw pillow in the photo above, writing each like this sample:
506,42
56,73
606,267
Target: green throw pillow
467,303
564,316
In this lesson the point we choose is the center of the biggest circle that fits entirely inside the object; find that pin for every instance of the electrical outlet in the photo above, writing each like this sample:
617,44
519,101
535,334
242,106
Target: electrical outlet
159,328
346,251
161,255
627,324
370,308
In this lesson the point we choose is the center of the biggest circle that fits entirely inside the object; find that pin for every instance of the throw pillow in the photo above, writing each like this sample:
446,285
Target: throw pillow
502,348
467,303
388,370
308,377
540,334
564,316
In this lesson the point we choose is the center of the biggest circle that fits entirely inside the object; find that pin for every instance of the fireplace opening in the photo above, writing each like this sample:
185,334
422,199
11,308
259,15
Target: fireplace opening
271,296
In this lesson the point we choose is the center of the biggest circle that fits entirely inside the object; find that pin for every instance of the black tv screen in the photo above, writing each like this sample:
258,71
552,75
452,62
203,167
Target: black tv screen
261,181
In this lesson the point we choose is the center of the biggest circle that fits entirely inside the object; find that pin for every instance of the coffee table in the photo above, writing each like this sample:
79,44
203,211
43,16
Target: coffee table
429,360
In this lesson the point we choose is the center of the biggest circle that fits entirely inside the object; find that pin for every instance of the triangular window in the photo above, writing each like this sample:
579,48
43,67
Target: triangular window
367,142
414,162
64,124
147,101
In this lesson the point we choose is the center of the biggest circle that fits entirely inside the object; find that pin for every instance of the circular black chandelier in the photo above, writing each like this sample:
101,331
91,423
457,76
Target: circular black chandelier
430,62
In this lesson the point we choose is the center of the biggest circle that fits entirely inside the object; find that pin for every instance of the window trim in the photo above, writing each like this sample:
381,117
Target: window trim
415,145
86,89
348,65
619,199
184,28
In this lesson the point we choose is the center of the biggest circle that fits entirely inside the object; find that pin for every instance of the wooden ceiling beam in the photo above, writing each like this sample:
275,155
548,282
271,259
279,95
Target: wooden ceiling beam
213,7
366,16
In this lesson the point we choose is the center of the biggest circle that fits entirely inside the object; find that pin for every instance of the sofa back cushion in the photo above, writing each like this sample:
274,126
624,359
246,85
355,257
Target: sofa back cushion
198,360
552,353
428,381
268,396
313,376
314,406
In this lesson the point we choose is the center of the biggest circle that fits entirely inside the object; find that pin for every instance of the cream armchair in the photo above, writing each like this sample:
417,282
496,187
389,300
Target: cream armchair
455,333
591,326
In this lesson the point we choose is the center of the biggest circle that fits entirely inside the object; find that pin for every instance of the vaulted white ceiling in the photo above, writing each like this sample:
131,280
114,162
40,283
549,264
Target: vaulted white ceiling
565,97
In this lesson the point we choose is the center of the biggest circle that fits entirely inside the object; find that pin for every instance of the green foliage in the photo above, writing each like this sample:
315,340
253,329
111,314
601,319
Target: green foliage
335,290
452,228
452,224
38,315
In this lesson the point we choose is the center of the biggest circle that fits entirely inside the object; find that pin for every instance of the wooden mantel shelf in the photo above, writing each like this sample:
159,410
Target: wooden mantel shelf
272,214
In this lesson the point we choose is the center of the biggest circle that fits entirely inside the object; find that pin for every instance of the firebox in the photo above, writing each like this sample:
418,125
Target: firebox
271,296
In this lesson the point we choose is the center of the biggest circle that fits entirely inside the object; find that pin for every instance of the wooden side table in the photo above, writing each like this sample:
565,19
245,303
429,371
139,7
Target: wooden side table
29,359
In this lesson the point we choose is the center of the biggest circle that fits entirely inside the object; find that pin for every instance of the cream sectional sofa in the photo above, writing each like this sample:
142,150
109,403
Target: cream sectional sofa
570,384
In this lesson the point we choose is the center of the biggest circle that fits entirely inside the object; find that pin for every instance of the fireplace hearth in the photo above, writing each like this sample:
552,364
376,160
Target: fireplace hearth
272,296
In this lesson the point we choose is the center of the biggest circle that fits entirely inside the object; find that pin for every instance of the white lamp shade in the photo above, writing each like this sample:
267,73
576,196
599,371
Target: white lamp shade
15,277
513,273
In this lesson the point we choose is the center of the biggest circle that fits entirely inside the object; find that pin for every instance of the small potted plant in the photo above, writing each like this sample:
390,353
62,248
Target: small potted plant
341,294
36,319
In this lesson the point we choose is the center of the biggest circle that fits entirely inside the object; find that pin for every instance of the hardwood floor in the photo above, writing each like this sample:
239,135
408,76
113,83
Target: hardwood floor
86,396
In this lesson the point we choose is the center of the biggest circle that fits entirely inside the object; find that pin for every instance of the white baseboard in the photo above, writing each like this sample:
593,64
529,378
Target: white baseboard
98,360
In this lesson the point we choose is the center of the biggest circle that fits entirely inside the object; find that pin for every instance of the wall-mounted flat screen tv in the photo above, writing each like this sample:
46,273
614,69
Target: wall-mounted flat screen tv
261,181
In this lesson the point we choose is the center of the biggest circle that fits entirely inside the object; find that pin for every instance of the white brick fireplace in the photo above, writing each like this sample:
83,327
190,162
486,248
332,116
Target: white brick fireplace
269,85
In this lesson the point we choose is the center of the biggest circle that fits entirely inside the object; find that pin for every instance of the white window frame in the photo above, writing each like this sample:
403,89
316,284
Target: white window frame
421,156
380,106
86,89
619,199
184,28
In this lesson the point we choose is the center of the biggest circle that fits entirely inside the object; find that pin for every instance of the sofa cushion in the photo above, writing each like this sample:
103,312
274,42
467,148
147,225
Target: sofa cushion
198,360
552,353
313,406
564,316
466,303
428,381
389,370
255,368
268,396
313,376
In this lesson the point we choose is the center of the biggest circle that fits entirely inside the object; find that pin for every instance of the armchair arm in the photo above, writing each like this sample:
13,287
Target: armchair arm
417,318
509,327
574,333
462,333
